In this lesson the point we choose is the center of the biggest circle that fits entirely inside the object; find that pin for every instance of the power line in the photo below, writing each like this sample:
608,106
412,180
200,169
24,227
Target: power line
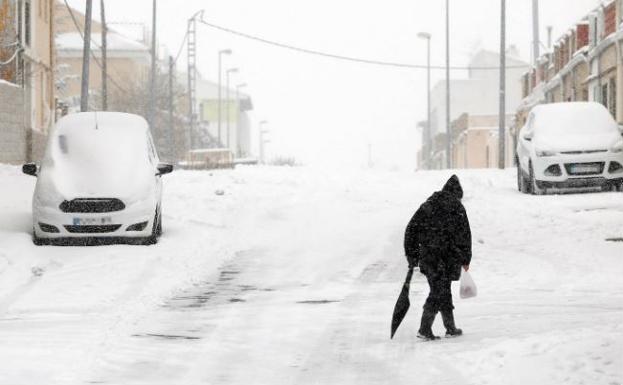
179,51
342,57
73,17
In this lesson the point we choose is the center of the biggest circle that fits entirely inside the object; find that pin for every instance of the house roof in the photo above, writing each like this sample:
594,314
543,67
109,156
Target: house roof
72,41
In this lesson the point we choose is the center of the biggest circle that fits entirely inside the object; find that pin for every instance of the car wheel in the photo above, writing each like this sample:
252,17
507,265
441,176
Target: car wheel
153,238
534,189
36,240
613,187
159,228
522,183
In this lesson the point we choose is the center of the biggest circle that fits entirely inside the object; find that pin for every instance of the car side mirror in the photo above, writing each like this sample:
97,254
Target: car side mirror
30,169
164,168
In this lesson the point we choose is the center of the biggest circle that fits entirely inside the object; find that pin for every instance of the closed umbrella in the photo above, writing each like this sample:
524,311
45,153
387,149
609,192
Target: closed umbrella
402,305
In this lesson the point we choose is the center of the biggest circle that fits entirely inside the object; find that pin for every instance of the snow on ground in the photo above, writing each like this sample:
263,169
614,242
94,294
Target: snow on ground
290,277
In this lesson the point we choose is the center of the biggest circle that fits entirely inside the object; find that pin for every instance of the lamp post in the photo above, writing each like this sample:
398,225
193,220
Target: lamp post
238,87
261,139
220,101
228,72
427,133
152,77
191,53
448,128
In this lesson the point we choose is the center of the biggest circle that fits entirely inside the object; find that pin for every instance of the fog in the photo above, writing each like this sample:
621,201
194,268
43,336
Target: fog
322,110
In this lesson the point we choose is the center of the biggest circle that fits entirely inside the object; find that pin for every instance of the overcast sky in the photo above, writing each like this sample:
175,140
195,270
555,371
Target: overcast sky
323,110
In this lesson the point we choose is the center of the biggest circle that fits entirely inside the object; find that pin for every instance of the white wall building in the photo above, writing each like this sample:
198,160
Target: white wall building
478,94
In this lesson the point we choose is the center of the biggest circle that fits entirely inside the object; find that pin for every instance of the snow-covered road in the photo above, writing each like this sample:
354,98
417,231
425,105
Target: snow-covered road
291,276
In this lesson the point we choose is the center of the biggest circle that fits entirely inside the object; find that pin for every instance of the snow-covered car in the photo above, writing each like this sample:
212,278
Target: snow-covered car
100,178
568,146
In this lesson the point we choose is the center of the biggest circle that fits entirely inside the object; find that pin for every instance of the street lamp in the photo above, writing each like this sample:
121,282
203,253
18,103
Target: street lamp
220,101
448,128
238,87
427,133
229,71
261,139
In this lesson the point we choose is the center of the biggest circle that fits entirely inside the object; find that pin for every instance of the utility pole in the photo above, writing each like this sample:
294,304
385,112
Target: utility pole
220,90
261,140
191,52
536,48
228,72
86,54
152,79
238,147
172,147
448,128
502,118
104,58
427,132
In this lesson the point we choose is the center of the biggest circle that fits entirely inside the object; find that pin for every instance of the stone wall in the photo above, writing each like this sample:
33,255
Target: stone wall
18,142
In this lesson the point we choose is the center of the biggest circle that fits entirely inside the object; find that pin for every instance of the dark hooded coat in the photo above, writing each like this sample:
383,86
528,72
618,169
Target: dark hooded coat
438,237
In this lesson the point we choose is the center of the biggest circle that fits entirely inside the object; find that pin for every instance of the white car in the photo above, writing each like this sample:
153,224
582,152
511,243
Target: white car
99,180
569,146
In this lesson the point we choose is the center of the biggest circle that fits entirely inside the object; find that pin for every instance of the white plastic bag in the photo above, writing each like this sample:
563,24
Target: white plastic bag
468,287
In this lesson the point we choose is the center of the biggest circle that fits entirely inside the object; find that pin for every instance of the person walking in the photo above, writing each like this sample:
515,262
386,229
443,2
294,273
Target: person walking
438,240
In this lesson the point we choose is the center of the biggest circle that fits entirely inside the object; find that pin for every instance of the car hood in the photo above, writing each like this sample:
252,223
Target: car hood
72,181
569,143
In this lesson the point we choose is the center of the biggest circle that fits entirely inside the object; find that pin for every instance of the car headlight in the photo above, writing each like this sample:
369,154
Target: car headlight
542,153
618,146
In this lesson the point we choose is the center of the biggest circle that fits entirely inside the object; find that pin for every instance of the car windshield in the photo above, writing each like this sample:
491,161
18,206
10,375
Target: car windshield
110,155
573,119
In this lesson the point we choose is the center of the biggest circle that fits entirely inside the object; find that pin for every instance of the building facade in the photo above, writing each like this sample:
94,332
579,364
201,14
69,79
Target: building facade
128,62
477,95
585,64
476,143
235,127
27,60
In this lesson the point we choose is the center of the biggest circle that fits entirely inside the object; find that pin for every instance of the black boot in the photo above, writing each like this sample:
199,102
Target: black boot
448,322
426,326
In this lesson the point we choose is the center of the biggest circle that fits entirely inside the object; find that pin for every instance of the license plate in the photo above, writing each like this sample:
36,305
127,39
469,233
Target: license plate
92,221
585,169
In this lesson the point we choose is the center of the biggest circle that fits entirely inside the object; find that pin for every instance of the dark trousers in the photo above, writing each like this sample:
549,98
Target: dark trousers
440,296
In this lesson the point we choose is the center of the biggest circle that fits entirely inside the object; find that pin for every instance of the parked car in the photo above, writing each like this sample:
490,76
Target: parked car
100,178
569,146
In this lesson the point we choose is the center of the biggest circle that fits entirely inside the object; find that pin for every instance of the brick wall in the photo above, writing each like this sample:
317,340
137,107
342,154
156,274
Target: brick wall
13,138
610,19
582,36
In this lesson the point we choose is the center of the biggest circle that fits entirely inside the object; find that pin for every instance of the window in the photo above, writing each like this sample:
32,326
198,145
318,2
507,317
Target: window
604,95
612,97
596,94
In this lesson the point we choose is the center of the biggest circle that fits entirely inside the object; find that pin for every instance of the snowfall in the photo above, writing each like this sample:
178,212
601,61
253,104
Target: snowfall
289,275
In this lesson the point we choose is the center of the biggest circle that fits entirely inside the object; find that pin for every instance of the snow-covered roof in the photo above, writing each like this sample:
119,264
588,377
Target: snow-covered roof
115,42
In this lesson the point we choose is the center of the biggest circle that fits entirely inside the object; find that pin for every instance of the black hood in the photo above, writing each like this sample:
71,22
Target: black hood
453,186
